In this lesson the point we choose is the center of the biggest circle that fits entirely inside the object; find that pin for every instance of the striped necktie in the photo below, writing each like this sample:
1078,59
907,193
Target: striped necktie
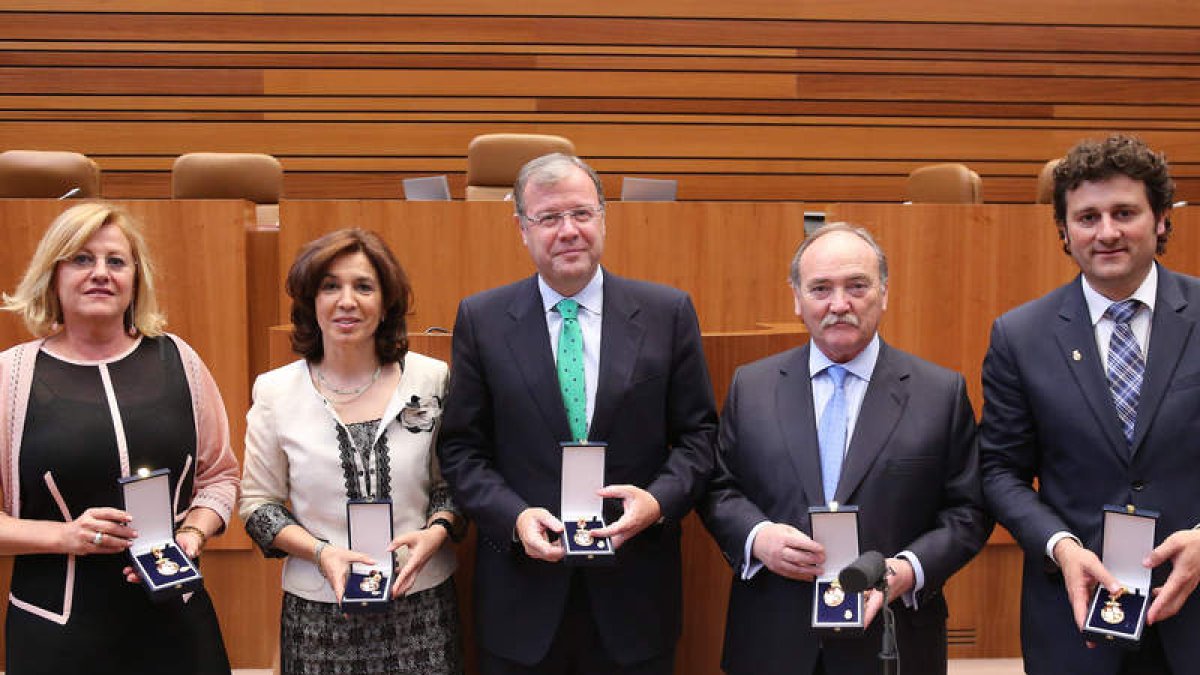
1125,365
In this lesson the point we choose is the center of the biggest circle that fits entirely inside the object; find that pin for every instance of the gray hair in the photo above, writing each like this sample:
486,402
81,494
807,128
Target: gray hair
860,232
548,170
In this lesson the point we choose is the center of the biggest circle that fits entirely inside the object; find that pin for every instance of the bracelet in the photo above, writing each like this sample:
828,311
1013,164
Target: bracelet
194,530
320,546
449,527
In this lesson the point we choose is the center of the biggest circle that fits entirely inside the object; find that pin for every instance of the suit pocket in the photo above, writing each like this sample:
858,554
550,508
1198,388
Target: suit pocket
911,465
644,378
1188,381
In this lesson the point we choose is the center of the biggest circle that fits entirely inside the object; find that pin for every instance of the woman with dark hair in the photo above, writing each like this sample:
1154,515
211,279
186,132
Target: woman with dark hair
102,392
354,420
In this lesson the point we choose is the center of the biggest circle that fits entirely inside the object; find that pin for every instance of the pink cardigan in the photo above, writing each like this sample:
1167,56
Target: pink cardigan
216,481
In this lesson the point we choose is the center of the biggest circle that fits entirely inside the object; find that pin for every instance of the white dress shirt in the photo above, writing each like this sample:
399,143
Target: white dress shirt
860,368
1103,327
591,306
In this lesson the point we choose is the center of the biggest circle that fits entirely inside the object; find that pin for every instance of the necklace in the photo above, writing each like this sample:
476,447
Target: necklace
353,391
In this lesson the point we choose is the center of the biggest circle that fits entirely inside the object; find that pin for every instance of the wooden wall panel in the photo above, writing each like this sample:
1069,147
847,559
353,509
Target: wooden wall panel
1093,12
868,89
732,258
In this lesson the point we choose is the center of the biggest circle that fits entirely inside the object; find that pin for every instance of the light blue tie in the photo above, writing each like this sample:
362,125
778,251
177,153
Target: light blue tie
1125,365
831,432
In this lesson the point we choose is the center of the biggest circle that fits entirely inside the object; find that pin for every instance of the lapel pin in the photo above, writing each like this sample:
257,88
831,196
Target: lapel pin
1076,355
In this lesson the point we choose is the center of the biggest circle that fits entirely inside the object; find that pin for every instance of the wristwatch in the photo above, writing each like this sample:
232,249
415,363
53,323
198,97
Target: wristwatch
449,527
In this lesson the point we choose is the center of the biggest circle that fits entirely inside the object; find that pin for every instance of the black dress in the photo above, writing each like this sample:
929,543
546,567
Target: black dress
95,621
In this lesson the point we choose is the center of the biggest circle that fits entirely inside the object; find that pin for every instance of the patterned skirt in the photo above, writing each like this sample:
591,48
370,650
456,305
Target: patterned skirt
417,635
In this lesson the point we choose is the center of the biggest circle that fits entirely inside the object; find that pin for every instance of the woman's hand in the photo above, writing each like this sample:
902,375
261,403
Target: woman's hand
98,530
334,563
422,544
190,542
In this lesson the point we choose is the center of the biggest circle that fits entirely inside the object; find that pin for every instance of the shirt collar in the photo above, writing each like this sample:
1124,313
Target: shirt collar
591,298
1097,304
862,365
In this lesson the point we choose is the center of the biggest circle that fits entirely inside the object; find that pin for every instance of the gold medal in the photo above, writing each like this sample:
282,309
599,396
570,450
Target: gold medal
582,536
371,584
849,614
834,595
164,565
1112,612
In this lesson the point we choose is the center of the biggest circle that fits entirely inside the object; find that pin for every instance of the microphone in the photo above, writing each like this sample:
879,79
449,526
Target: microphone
865,572
70,193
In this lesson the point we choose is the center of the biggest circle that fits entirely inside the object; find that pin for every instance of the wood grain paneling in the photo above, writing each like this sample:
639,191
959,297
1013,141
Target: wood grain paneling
1093,12
728,256
869,81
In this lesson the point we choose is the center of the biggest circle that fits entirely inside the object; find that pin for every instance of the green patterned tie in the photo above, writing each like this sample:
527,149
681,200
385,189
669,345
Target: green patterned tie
570,368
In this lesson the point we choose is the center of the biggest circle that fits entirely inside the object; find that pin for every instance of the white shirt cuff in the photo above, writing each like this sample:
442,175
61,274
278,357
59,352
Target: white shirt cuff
910,598
1054,539
751,566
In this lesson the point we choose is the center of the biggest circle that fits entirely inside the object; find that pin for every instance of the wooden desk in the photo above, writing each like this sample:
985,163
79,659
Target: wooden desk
732,257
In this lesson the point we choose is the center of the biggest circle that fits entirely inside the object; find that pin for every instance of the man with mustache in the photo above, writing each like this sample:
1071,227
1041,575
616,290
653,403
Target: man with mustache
845,418
1092,391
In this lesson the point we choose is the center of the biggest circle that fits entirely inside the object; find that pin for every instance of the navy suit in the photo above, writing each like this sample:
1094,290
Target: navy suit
499,450
1049,415
911,468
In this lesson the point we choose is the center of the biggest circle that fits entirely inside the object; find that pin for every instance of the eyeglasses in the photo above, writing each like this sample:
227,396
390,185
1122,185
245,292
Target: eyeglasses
580,215
87,261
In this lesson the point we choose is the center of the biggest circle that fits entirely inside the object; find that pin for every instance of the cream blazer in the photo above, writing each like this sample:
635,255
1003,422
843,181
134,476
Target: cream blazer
292,455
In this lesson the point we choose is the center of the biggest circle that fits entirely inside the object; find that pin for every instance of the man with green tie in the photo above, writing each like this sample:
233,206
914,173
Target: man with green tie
575,353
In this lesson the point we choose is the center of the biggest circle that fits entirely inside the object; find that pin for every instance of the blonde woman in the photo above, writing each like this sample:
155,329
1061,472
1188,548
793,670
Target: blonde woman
100,392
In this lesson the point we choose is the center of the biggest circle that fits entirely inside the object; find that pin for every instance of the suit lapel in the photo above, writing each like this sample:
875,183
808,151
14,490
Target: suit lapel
797,424
885,400
621,333
529,345
1077,345
1169,332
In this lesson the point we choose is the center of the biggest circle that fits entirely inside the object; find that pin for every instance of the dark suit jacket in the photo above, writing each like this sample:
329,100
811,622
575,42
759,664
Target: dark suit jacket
911,468
1048,415
499,450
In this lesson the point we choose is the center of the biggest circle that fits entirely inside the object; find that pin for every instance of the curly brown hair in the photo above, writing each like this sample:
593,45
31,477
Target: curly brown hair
1119,154
310,267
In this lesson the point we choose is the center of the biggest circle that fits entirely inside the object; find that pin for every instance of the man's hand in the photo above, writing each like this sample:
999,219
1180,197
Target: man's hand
533,528
788,552
1082,570
898,584
641,511
1183,550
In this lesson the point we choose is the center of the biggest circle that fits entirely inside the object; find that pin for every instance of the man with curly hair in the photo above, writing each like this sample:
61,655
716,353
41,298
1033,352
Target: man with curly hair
1092,390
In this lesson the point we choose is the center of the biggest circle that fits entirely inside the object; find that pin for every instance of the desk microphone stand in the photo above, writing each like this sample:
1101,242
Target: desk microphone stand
889,655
